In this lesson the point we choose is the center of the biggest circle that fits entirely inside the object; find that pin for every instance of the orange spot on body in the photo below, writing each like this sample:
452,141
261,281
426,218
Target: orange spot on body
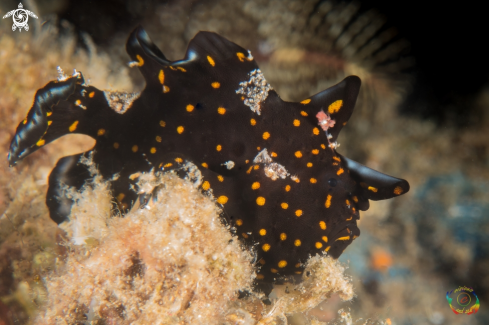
322,225
73,126
266,135
315,131
327,204
204,165
116,145
40,142
162,124
215,84
287,188
134,148
335,107
340,171
222,199
152,150
239,222
218,147
318,245
398,190
298,213
161,77
140,60
297,123
373,189
211,61
180,129
255,186
297,243
165,89
91,94
205,186
260,200
266,247
221,110
100,132
306,101
298,154
284,205
282,264
190,108
303,113
253,122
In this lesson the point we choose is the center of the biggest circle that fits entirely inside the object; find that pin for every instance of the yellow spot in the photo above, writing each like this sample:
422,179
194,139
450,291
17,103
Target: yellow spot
260,200
322,225
73,126
263,232
167,165
258,148
158,138
315,131
121,197
327,204
340,171
284,205
315,151
304,113
50,122
266,135
253,122
152,150
266,247
347,202
274,270
239,222
179,160
40,142
92,94
335,107
273,154
116,145
220,178
373,189
255,186
323,146
283,236
398,190
181,69
166,89
313,180
48,114
327,249
287,188
309,164
247,161
134,148
221,110
222,199
162,124
205,186
240,56
218,147
140,60
344,238
282,264
297,243
298,154
180,129
78,102
306,101
297,122
338,159
249,170
256,167
298,213
260,276
100,132
161,76
325,239
262,261
319,245
190,108
205,165
298,272
215,85
297,180
211,61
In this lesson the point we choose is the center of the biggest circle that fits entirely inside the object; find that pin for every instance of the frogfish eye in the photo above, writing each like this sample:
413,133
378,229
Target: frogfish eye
332,182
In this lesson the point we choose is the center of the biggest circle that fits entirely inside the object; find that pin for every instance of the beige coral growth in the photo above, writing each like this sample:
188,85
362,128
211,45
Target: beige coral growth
174,262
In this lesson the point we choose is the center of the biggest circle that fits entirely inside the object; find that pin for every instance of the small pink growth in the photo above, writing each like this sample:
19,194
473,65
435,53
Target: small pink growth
324,120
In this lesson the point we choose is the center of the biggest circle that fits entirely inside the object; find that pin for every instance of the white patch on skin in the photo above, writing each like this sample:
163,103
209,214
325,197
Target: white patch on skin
272,169
254,90
229,164
120,101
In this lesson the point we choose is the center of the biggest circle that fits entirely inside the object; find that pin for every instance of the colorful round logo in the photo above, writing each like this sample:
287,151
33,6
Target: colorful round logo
463,301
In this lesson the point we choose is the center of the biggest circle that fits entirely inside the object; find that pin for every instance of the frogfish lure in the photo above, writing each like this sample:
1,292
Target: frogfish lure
272,165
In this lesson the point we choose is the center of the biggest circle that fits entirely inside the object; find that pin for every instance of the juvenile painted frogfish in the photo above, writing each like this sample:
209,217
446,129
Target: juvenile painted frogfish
271,165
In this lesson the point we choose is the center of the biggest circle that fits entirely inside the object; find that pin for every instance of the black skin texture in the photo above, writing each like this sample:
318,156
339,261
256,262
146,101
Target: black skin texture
320,209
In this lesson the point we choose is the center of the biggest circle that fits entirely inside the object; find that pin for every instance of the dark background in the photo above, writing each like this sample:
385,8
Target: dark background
448,43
